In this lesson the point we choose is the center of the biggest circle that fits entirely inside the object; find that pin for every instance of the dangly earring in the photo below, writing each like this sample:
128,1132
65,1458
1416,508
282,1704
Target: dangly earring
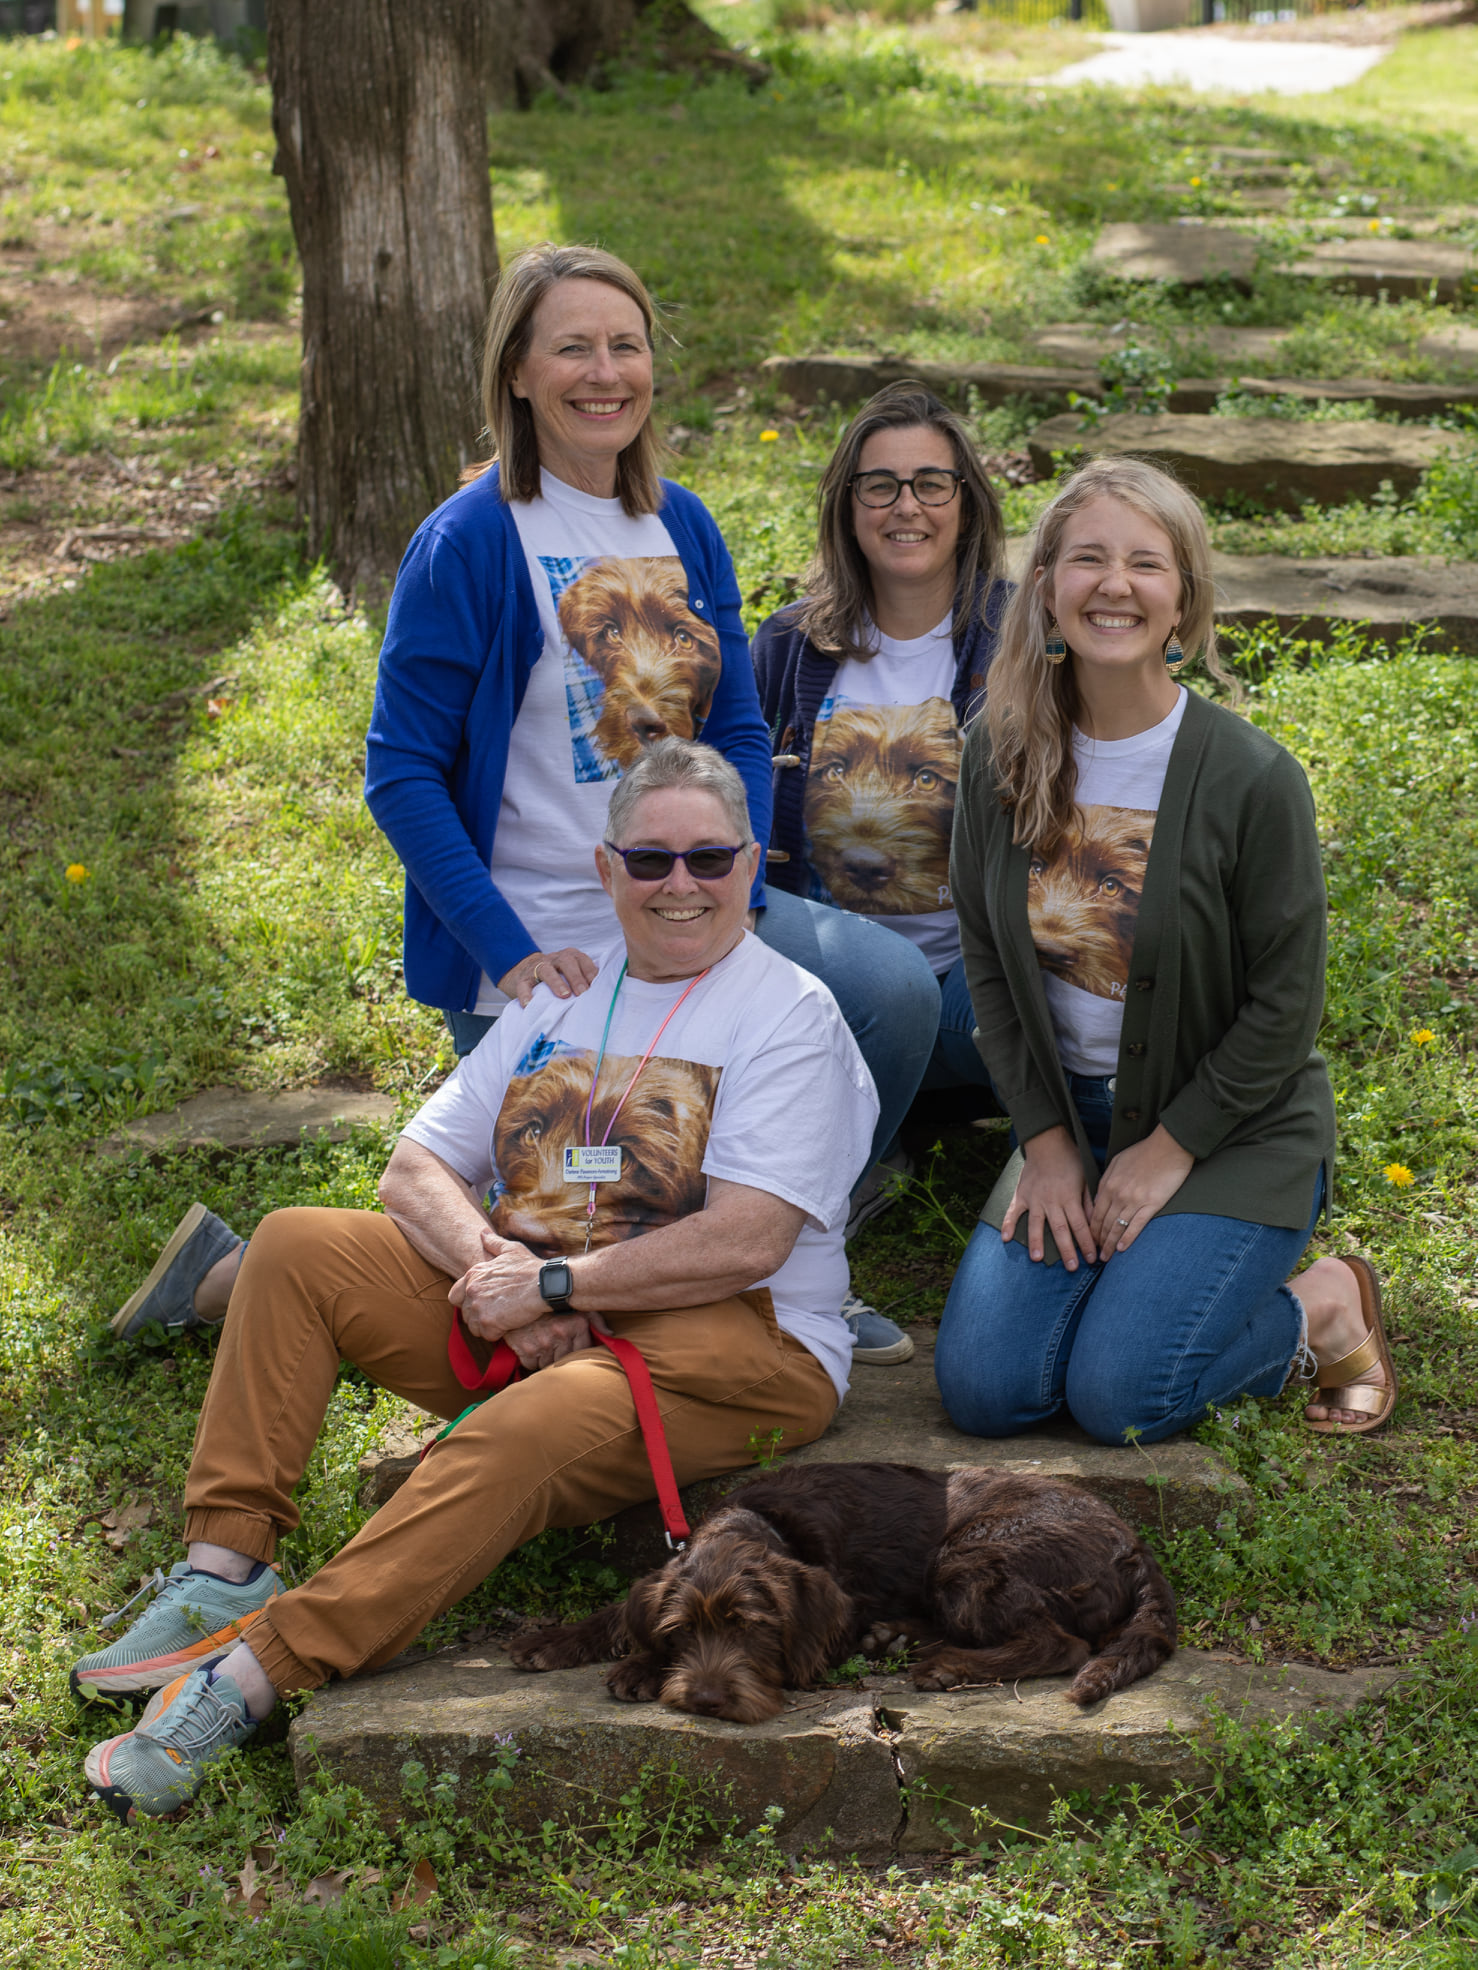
1175,657
1056,646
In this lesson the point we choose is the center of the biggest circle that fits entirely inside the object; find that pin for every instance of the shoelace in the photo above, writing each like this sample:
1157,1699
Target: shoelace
159,1584
190,1732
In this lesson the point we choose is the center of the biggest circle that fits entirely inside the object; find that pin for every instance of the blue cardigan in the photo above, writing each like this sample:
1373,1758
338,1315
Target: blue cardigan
794,678
462,639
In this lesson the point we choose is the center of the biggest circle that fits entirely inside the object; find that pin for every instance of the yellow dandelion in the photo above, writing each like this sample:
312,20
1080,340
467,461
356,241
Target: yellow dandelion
1042,240
768,437
1398,1176
1195,184
1423,1037
76,872
1375,225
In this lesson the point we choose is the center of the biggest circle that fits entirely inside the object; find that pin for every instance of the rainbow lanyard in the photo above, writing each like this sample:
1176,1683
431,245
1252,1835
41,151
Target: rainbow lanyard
595,1079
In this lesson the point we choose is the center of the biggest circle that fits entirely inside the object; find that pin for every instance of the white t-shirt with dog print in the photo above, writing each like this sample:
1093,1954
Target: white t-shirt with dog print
1083,901
757,1081
880,790
624,660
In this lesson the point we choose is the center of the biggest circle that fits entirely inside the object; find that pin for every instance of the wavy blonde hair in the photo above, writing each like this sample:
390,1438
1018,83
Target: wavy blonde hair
1031,704
526,279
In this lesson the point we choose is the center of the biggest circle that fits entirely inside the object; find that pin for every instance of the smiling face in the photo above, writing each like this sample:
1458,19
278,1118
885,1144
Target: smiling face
908,542
679,926
587,378
1115,589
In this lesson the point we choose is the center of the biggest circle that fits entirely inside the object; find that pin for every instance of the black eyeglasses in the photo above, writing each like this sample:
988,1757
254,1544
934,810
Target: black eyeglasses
935,486
655,864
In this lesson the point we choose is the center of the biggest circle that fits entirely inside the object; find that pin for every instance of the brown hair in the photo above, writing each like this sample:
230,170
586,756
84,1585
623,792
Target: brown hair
525,281
1031,705
839,596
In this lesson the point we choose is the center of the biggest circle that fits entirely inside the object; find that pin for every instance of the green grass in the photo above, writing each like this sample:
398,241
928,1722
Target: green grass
183,730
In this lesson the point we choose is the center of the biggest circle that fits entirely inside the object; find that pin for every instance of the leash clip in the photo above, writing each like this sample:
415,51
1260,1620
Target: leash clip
675,1545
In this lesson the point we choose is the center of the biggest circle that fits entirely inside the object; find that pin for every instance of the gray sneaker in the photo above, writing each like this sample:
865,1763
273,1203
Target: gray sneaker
158,1765
167,1297
875,1339
193,1618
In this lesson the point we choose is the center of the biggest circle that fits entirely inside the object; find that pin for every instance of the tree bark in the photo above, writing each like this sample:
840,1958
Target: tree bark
379,109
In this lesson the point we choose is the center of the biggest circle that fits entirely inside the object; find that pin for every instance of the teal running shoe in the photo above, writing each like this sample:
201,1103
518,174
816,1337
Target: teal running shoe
194,1617
157,1766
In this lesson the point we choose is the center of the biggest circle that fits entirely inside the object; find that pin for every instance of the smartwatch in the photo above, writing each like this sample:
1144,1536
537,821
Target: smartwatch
556,1284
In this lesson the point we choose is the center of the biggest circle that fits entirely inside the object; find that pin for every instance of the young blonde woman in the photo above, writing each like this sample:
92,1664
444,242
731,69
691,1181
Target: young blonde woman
1142,914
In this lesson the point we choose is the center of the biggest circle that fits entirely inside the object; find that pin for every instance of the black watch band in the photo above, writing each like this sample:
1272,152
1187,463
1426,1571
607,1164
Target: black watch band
556,1284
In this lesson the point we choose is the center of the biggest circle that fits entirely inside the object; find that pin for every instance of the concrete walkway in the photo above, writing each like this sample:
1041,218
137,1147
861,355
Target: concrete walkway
1210,63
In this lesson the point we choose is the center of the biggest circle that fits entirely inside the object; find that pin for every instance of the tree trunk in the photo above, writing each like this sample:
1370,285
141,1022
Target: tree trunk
379,109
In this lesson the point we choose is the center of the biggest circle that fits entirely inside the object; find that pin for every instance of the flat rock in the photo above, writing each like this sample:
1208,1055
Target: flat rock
1387,594
1279,462
895,1415
852,379
1401,267
1186,255
856,1771
226,1118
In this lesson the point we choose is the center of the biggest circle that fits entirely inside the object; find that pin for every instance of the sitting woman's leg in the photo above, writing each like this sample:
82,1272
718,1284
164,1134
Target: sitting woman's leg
1195,1313
887,994
1006,1336
956,1061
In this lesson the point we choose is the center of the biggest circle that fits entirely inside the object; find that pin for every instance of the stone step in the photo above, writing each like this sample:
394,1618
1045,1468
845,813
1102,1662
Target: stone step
1387,594
227,1118
1401,268
894,1415
1083,345
1187,256
869,1771
1279,462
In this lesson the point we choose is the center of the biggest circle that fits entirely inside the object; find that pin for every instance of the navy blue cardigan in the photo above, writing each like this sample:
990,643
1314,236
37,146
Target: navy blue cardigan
794,678
462,639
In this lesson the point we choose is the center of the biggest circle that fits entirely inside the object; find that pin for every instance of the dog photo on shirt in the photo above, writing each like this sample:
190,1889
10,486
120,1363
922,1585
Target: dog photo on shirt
1083,900
661,1131
880,800
639,663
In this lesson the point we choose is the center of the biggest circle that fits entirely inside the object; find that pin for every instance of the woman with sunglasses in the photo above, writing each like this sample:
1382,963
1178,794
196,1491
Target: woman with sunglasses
868,680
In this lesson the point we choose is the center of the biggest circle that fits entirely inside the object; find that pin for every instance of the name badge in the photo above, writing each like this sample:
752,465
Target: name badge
602,1164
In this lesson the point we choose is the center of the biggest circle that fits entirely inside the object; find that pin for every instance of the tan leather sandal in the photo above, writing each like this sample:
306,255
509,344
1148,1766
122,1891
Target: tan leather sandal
1339,1384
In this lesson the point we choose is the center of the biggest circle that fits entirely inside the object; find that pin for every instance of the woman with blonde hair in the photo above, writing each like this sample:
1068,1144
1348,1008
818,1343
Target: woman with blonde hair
1142,914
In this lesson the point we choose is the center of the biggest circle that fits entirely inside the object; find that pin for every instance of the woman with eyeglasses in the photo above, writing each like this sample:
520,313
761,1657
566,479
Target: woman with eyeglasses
868,680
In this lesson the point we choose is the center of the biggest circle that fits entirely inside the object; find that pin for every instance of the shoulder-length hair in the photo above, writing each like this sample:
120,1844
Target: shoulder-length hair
839,598
1031,705
525,281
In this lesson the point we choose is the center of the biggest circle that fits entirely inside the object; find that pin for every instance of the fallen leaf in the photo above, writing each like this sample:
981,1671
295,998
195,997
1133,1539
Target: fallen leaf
418,1890
419,1932
325,1889
214,707
124,1523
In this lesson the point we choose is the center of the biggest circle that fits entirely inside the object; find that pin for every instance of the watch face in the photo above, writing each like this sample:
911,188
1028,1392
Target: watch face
556,1281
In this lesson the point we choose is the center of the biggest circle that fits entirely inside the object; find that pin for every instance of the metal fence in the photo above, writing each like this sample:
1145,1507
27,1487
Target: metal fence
1094,13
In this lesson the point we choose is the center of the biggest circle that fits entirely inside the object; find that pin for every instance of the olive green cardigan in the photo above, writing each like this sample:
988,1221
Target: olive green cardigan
1226,982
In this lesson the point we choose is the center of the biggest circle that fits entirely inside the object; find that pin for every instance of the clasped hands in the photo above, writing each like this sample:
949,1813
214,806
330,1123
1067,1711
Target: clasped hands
500,1301
1137,1183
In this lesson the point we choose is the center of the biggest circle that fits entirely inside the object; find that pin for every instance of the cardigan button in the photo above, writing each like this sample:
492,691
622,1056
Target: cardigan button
1144,984
697,601
1131,1114
1135,1049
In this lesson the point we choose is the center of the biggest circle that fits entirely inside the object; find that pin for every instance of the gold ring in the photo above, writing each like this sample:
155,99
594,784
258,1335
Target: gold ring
536,971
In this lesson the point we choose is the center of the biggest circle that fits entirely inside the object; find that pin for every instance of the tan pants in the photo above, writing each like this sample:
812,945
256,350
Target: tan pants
560,1448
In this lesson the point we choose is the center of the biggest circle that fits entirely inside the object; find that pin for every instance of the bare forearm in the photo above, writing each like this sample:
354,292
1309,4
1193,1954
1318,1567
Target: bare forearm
433,1207
681,1265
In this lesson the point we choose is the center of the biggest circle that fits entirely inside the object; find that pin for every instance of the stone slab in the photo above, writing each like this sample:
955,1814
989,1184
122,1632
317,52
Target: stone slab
837,1762
894,1415
226,1118
1189,256
853,379
1400,267
1277,461
1388,594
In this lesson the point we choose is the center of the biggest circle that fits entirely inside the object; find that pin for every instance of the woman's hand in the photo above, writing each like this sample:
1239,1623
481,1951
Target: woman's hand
1051,1191
567,973
1138,1182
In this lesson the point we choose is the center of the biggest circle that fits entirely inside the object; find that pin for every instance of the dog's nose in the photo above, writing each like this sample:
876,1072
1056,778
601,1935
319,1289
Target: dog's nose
647,725
707,1702
869,868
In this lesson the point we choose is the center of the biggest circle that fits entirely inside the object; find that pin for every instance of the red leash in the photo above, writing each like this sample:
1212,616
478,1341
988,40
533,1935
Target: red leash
504,1368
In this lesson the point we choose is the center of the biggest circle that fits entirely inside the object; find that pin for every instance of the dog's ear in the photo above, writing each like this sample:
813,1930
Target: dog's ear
706,674
643,1610
819,1619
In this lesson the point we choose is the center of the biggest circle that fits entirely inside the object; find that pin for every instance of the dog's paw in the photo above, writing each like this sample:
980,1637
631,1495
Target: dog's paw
548,1648
638,1679
942,1669
1093,1682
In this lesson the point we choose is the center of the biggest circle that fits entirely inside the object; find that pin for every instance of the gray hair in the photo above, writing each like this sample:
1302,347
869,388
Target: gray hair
680,763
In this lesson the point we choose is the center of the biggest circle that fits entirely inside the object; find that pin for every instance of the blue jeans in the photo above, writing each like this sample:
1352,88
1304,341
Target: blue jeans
882,984
955,1063
1194,1314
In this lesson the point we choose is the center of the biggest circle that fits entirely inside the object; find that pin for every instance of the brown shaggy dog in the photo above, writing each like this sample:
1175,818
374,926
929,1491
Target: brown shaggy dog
1083,903
662,1131
880,802
659,661
996,1574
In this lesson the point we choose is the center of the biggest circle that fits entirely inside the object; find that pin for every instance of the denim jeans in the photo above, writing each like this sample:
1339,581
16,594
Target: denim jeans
882,984
1195,1313
955,1063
